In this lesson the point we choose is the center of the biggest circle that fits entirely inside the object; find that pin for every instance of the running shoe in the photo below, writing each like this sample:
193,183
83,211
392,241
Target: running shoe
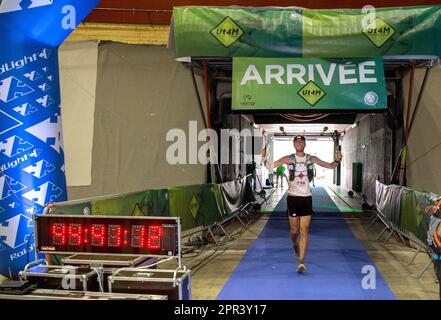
301,268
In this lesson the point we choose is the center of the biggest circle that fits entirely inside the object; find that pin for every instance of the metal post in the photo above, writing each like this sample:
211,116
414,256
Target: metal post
417,104
382,232
402,239
337,173
240,220
418,250
224,231
212,235
420,274
240,146
397,162
372,220
198,95
389,236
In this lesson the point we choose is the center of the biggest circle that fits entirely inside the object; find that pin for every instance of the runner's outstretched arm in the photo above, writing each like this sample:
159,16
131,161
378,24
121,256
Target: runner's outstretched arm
328,165
270,166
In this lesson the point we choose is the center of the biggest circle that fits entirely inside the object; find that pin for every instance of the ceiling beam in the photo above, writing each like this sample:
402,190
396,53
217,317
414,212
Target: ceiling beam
159,11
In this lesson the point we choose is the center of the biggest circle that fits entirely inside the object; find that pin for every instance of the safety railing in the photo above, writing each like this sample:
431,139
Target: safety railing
401,211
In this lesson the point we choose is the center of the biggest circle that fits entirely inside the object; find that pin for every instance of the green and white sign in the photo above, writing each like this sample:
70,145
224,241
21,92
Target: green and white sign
308,84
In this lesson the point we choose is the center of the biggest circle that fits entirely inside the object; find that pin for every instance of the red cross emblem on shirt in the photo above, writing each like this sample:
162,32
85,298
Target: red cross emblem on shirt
301,176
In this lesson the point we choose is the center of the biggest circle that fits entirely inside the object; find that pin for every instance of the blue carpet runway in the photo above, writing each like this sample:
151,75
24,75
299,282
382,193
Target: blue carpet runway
335,259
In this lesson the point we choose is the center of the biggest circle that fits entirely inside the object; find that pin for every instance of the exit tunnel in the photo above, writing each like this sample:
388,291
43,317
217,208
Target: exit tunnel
344,199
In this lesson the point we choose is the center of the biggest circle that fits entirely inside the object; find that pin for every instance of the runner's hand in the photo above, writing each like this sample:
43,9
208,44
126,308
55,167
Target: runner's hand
338,155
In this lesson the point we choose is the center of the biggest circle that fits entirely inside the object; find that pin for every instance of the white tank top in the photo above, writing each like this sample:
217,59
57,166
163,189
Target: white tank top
299,187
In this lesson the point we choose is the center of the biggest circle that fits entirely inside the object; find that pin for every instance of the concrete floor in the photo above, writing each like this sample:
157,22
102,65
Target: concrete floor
213,264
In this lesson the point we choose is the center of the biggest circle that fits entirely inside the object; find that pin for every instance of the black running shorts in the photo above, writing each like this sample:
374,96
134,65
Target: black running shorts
299,206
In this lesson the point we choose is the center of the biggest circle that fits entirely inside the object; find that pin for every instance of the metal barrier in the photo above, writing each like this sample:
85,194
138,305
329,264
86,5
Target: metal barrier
393,228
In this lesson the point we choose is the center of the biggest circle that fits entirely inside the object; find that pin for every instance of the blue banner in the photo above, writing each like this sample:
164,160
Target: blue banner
31,140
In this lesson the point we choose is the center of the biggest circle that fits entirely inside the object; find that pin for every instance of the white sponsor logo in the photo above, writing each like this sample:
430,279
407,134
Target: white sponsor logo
40,169
16,162
9,186
44,87
21,253
25,109
16,5
9,230
14,145
49,131
11,88
371,98
45,193
33,75
23,61
45,101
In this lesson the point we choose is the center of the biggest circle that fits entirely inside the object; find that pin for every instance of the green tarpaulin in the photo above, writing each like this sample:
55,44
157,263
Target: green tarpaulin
196,205
405,208
296,32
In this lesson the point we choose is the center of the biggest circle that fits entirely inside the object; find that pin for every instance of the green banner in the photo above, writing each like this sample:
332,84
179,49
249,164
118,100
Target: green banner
236,32
311,84
197,205
144,203
413,215
405,208
73,209
295,32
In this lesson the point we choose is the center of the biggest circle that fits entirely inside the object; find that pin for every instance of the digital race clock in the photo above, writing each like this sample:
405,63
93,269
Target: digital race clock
107,235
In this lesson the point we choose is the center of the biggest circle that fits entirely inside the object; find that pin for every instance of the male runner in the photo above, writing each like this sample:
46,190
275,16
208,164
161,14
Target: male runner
299,194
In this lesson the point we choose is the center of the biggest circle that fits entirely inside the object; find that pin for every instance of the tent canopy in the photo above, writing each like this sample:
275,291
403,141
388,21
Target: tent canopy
398,32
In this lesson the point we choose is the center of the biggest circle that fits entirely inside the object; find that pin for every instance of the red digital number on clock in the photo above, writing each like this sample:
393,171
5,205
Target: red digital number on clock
101,235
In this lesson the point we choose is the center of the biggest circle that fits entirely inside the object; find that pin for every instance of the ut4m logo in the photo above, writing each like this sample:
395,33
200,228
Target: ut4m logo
17,5
15,231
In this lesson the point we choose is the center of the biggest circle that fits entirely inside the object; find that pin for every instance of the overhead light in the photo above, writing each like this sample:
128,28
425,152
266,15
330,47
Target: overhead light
355,125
